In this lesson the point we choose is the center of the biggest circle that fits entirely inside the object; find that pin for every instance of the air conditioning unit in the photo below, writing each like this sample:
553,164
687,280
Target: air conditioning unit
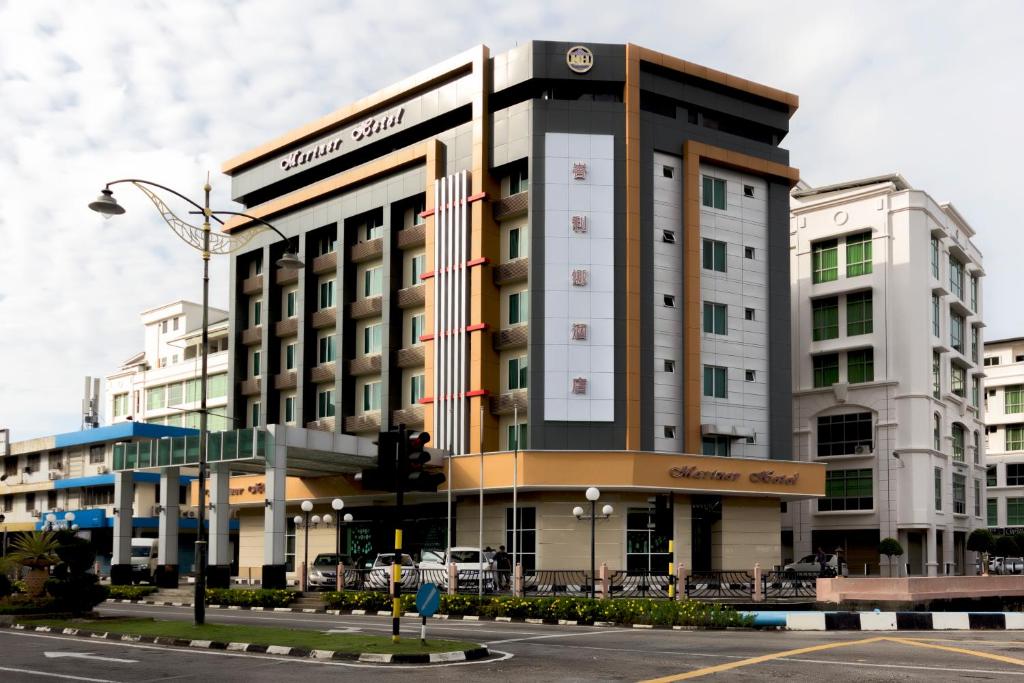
37,513
55,475
862,449
102,469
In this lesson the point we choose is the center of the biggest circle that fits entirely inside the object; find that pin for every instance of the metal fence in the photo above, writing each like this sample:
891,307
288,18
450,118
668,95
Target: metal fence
789,584
720,585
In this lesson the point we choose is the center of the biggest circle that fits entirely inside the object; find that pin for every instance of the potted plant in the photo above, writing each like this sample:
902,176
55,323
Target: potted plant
982,541
37,551
890,547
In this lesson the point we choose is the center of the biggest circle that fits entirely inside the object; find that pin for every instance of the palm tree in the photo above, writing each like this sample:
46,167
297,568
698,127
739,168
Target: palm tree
38,552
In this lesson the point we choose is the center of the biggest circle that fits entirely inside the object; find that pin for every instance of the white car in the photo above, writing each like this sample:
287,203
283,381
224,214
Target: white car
809,563
469,562
379,575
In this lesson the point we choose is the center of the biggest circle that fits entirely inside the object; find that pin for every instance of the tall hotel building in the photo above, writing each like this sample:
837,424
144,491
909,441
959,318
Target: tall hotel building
573,259
1004,434
887,326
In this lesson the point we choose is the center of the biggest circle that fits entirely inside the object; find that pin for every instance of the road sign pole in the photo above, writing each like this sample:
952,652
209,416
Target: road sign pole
423,631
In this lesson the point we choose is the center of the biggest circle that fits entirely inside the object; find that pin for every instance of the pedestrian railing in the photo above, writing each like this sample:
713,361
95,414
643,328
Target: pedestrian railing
639,584
554,582
720,585
790,584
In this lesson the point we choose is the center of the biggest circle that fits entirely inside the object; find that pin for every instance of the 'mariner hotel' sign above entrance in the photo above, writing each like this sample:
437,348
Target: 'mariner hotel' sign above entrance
358,133
763,477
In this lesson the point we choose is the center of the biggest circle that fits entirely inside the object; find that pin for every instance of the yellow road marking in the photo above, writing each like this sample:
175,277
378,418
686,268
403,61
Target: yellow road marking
757,660
960,650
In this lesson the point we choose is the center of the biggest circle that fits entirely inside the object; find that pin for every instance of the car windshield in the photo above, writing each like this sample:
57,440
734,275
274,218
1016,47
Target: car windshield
330,560
388,560
140,551
465,556
807,559
432,556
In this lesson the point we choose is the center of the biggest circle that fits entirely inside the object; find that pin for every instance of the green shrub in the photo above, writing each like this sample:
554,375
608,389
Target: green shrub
20,603
250,597
131,592
19,586
77,593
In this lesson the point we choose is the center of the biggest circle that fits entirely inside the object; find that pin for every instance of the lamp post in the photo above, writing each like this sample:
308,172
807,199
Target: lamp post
307,507
593,494
338,505
207,244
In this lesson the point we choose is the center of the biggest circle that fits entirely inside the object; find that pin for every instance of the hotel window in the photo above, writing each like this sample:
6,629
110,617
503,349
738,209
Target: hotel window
518,181
716,445
417,266
716,381
255,364
975,383
935,258
325,404
647,540
935,316
715,316
958,380
326,353
859,313
120,404
858,254
516,436
257,264
254,414
372,339
670,366
847,490
825,318
990,476
956,277
174,394
938,489
849,434
289,409
860,366
1015,437
417,386
156,397
373,280
974,344
517,372
526,529
749,314
257,312
748,252
416,328
992,512
217,386
1014,511
959,495
667,171
1013,397
958,442
371,396
418,207
289,356
977,498
977,448
824,261
375,225
513,243
937,432
326,299
714,255
1015,474
956,331
289,304
974,293
326,244
714,193
517,308
96,455
826,369
936,374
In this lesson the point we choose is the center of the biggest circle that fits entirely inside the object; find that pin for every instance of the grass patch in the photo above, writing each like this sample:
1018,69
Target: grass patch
258,635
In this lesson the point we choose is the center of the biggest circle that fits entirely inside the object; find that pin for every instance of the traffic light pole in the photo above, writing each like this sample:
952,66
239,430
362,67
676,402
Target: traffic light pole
396,566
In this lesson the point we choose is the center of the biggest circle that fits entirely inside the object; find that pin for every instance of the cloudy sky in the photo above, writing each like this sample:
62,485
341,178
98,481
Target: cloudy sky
91,91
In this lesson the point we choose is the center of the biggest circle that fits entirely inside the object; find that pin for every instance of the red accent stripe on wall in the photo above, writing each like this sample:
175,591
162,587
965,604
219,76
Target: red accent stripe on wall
470,199
469,264
429,336
468,394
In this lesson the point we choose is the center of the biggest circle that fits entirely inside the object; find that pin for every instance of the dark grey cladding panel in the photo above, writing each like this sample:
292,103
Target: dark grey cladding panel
780,372
549,61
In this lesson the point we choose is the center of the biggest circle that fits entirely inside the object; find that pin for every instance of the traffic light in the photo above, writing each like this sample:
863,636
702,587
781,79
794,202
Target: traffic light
413,459
384,476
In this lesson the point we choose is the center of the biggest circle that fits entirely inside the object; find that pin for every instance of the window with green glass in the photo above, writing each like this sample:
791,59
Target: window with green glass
217,386
254,414
974,392
156,397
958,380
858,254
326,294
518,181
860,366
417,389
120,404
826,369
937,432
847,490
714,255
513,243
257,312
975,338
992,512
327,352
956,277
935,258
959,494
956,331
289,357
417,325
371,396
715,316
825,318
716,445
990,476
974,292
255,366
373,280
289,304
1014,511
372,339
517,373
936,374
859,313
938,489
716,381
977,498
375,226
289,409
935,315
977,448
325,404
517,308
1015,437
417,266
516,436
958,442
1014,399
825,261
714,193
174,394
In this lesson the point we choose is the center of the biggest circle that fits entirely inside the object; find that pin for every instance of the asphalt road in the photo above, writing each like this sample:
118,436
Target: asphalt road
524,652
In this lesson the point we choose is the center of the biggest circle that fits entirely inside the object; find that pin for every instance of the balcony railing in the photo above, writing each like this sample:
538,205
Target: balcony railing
367,251
323,373
413,296
252,335
512,271
324,424
367,422
325,263
251,387
252,285
366,308
511,338
411,416
325,317
285,380
413,237
286,276
510,207
364,365
411,357
287,327
508,402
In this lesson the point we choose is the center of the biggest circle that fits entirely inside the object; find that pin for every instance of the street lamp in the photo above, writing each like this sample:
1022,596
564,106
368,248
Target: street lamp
338,505
307,507
198,238
593,494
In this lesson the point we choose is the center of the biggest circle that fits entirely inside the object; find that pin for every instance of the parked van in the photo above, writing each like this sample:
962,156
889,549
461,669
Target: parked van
144,557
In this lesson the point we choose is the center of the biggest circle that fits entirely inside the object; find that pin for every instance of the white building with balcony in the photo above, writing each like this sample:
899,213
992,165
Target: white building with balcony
1004,438
160,384
887,324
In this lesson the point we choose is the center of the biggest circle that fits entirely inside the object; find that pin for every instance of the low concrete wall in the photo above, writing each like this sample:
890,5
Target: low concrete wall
918,589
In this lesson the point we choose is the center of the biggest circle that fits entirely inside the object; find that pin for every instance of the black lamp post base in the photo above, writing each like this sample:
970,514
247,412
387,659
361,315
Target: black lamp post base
120,575
166,576
218,576
274,576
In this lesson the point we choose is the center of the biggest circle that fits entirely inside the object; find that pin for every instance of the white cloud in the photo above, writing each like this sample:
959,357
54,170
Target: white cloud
93,91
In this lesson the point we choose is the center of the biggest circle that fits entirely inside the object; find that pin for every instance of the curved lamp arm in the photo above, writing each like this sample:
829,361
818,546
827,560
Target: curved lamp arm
162,187
252,218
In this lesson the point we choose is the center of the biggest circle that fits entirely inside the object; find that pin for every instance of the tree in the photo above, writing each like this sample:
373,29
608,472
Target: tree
890,547
36,550
982,541
1006,546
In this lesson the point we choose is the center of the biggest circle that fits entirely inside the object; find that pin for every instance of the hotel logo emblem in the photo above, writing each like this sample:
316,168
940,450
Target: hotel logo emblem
579,59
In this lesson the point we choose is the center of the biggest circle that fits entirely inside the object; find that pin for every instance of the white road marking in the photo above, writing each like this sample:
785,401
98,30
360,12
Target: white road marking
560,635
46,674
1004,672
87,655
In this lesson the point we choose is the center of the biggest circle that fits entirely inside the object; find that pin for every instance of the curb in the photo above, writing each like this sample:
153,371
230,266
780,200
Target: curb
364,657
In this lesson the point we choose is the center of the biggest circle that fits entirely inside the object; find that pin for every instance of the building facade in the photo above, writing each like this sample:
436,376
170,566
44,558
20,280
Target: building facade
887,375
160,384
569,258
1004,434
